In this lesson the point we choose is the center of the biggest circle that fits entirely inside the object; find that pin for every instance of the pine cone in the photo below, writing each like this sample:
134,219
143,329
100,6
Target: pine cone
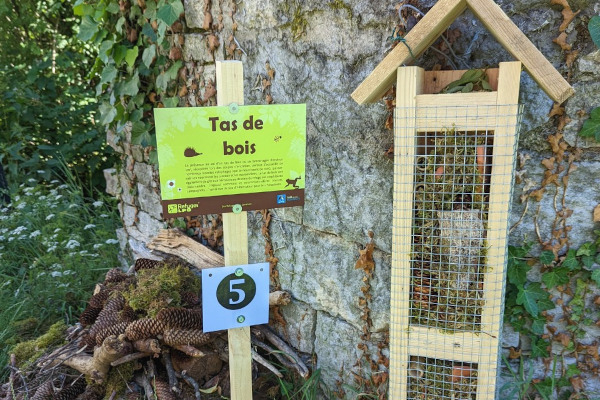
180,318
44,392
89,340
163,391
99,299
115,275
127,314
194,337
109,315
145,263
71,391
144,328
92,392
89,315
111,330
189,298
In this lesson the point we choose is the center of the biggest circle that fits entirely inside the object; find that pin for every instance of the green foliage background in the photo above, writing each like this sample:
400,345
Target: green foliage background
47,106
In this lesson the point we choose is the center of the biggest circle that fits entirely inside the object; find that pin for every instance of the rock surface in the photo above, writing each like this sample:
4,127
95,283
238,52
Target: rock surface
321,51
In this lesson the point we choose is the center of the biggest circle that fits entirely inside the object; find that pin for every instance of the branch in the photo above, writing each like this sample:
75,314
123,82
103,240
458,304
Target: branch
256,357
284,347
177,243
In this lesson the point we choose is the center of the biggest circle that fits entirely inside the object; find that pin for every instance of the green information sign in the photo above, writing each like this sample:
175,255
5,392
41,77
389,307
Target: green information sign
229,159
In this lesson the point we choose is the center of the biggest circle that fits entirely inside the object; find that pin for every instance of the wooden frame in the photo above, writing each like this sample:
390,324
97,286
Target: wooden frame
436,21
407,340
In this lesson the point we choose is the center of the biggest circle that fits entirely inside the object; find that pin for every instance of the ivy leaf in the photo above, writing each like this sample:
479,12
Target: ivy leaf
171,102
170,12
129,87
153,157
109,73
131,56
148,55
107,113
547,257
140,134
586,249
538,325
83,9
149,32
104,49
571,261
588,261
119,54
88,28
517,272
596,277
556,277
538,348
591,128
119,25
594,28
528,297
113,7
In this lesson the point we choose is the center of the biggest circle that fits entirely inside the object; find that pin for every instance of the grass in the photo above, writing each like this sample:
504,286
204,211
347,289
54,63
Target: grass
55,244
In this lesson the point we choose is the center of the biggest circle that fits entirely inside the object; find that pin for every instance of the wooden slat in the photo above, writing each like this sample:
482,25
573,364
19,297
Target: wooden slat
410,84
435,81
433,24
230,89
517,44
438,111
505,136
433,343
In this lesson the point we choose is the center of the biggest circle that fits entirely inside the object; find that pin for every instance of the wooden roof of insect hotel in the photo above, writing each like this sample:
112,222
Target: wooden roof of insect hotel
436,21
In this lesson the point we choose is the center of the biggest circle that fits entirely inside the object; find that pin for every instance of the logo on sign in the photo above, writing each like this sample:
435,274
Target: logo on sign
179,208
281,199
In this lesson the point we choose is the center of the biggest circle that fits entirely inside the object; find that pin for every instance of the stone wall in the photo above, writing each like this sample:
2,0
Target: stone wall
320,51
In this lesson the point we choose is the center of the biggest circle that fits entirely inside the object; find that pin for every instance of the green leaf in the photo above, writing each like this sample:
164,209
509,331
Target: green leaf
88,28
587,261
113,7
528,297
83,9
131,87
131,56
595,114
586,249
148,55
162,81
170,12
594,28
149,32
104,49
485,85
119,54
109,73
547,257
572,370
538,348
119,25
467,88
591,128
571,261
170,102
107,113
538,325
596,276
556,277
517,272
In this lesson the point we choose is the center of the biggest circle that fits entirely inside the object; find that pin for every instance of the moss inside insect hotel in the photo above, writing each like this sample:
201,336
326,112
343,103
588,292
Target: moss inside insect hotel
450,210
440,379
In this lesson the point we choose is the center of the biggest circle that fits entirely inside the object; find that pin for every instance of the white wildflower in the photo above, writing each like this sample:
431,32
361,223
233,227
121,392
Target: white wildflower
57,230
31,180
97,203
3,217
49,217
2,238
35,233
73,205
18,230
42,197
63,186
83,253
71,244
56,274
51,248
103,215
11,238
112,241
5,210
58,197
21,206
89,226
65,285
17,198
68,272
41,274
41,171
8,282
98,245
54,181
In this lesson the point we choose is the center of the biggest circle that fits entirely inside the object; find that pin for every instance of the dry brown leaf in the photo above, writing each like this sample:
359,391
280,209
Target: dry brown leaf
568,16
514,353
549,162
561,40
564,339
571,57
577,383
213,42
365,259
557,109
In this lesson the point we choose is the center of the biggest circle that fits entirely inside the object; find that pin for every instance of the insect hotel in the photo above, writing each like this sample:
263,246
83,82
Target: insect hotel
454,156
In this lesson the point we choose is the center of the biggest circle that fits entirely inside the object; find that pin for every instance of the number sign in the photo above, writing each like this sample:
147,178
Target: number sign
235,296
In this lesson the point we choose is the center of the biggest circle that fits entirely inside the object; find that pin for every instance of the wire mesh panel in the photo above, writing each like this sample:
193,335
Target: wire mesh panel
461,164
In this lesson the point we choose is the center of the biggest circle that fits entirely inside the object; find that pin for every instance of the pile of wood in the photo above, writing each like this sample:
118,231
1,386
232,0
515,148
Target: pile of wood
122,351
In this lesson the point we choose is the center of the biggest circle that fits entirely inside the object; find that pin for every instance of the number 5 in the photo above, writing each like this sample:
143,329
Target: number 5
240,292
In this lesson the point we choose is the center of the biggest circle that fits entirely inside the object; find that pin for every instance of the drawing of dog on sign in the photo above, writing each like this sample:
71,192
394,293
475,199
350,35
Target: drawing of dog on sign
293,182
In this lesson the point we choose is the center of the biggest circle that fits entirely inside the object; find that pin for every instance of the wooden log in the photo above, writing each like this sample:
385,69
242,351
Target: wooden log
177,243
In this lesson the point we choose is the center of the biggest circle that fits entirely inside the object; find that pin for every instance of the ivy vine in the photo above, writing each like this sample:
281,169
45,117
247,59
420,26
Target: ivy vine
138,62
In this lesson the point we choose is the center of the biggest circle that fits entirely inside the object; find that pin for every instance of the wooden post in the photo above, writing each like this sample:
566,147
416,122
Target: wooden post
409,85
230,89
499,206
